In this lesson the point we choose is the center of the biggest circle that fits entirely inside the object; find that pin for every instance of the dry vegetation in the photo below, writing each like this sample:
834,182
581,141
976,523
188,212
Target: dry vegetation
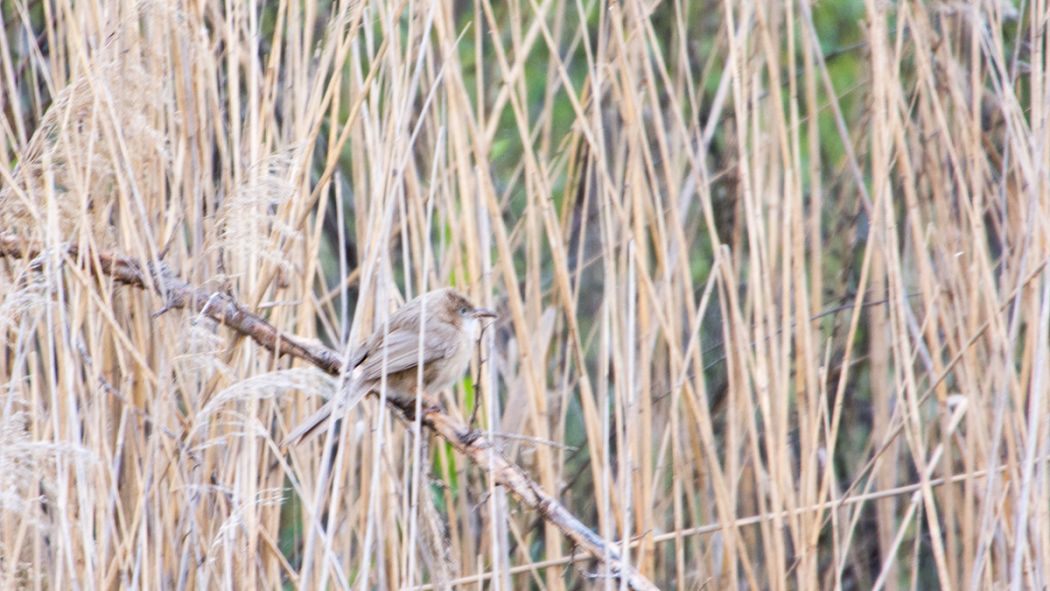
772,279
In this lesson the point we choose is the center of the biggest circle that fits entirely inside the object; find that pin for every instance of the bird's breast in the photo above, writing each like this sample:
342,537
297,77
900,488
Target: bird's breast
449,369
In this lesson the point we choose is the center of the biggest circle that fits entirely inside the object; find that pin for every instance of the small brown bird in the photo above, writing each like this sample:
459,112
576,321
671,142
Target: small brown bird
451,325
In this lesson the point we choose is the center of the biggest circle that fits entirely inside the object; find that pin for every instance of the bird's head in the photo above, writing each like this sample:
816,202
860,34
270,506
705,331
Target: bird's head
456,304
457,309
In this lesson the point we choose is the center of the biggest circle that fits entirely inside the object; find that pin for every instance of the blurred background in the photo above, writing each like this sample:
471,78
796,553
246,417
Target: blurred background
771,276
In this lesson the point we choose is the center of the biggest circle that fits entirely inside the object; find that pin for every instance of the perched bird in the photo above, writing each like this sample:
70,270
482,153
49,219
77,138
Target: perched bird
450,327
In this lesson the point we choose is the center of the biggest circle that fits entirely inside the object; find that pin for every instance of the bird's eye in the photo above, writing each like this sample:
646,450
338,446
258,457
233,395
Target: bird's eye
463,311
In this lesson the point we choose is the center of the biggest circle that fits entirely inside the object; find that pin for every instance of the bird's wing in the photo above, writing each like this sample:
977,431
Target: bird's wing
401,349
406,318
362,350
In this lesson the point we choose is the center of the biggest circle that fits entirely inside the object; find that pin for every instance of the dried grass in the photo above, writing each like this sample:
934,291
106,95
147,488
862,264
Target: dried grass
768,321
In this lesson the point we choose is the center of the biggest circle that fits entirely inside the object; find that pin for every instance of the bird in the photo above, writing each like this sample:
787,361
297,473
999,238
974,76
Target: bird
450,324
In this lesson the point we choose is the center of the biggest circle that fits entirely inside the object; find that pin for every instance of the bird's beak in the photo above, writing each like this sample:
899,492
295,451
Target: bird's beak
484,313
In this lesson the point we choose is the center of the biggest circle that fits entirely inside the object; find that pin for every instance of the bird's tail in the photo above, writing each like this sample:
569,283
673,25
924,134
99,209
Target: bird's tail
336,407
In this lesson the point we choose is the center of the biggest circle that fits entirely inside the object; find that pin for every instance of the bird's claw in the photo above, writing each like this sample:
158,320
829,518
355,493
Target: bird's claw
469,437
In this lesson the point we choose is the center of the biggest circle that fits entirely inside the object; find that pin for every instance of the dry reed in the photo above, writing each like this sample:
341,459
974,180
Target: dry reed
772,278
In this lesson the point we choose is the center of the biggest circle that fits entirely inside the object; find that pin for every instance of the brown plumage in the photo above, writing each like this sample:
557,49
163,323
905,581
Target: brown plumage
452,326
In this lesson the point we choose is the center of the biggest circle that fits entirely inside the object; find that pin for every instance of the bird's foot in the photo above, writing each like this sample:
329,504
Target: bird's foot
432,405
469,437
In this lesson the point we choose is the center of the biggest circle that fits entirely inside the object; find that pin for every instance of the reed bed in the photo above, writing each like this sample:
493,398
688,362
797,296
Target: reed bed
772,280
